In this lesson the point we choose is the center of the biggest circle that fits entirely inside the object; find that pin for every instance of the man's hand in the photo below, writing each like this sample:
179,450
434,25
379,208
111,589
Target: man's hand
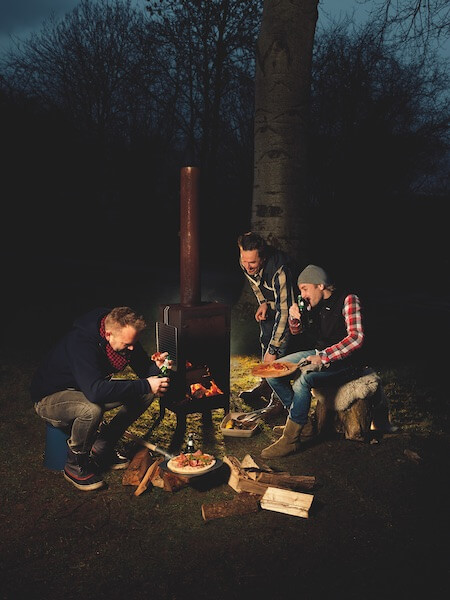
294,311
261,313
315,363
158,385
269,358
160,357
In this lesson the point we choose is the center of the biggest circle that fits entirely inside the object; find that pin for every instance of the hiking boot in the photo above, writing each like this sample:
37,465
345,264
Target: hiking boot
259,394
103,451
308,431
81,473
288,443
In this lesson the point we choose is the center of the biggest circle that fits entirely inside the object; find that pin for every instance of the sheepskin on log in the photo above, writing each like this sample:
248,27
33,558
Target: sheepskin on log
348,408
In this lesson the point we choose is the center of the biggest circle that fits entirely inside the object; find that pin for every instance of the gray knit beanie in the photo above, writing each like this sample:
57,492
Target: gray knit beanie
313,274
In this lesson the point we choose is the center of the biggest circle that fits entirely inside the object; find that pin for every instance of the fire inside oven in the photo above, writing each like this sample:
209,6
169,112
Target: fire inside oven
197,339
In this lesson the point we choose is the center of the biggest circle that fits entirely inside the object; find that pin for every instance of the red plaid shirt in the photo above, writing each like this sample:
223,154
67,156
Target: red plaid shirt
354,340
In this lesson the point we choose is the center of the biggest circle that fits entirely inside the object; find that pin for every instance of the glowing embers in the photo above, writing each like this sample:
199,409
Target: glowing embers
200,383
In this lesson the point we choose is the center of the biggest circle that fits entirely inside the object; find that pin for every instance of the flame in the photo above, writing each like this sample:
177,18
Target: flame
198,390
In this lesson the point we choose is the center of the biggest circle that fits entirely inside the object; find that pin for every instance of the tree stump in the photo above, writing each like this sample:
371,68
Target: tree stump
348,409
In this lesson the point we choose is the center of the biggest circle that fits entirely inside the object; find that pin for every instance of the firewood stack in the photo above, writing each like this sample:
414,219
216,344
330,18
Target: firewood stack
144,471
259,486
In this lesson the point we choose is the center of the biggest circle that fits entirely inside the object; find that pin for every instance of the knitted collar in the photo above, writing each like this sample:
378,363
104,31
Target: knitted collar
117,361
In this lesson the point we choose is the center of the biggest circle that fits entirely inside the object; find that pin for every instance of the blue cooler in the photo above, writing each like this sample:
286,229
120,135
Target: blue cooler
55,448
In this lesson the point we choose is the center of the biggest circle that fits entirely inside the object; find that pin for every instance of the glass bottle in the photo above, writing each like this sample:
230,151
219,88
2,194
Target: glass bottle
301,304
165,370
190,445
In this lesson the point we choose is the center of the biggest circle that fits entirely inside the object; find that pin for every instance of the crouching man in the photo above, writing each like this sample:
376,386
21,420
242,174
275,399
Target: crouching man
73,388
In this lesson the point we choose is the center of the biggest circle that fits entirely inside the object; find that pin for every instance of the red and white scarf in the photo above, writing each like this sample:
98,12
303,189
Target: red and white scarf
117,361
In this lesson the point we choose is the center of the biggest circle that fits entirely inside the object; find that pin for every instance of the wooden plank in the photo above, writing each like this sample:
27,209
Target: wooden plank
287,502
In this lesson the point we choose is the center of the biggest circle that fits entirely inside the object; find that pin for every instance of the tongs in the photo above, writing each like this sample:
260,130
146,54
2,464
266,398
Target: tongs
254,415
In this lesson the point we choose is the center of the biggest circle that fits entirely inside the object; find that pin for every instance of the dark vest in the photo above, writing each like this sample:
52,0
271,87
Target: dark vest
328,324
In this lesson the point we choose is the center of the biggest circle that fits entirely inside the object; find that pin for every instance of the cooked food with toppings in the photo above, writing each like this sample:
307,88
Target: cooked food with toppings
274,369
191,463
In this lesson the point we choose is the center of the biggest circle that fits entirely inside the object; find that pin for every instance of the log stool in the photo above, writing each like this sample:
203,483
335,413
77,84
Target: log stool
55,447
353,407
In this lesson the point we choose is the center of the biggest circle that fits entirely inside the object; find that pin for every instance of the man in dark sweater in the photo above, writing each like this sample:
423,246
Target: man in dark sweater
334,318
269,273
73,387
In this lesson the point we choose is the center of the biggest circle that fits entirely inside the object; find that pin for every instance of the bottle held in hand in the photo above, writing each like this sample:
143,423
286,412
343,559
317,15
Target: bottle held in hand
302,304
295,324
165,370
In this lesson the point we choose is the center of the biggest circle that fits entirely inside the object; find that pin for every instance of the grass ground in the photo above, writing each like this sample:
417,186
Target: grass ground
378,527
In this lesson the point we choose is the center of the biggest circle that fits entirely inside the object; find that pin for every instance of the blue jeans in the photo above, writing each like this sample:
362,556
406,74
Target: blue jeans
296,396
72,411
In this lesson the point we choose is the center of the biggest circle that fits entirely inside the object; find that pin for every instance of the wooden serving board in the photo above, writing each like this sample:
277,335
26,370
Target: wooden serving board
270,370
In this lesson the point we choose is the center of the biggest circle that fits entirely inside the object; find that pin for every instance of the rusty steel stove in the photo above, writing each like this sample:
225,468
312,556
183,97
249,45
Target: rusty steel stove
195,334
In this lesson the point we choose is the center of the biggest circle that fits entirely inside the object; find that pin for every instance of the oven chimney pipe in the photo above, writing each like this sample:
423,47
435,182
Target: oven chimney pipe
189,237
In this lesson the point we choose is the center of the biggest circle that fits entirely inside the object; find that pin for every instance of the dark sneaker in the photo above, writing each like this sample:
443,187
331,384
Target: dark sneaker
83,479
111,460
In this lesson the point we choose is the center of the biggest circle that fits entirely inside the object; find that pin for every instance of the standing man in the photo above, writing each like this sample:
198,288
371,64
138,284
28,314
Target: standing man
73,388
269,274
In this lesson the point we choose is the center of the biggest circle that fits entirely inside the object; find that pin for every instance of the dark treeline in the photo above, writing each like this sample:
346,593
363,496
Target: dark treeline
101,110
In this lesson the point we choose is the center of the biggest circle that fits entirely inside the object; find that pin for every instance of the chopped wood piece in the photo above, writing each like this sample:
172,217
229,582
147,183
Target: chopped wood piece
249,462
287,501
290,482
242,481
146,480
137,468
172,482
242,504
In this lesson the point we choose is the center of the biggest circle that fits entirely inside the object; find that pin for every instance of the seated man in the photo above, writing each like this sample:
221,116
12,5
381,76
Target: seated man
335,318
73,388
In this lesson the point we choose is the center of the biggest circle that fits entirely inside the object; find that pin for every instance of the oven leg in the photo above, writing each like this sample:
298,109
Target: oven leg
157,421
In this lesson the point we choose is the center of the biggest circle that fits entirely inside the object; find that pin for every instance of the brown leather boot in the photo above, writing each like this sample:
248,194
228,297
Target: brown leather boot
261,393
276,408
288,442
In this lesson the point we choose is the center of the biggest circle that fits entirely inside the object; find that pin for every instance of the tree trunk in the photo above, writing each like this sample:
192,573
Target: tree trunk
282,97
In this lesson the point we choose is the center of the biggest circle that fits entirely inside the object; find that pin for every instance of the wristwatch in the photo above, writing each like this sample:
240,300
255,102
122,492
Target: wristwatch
272,350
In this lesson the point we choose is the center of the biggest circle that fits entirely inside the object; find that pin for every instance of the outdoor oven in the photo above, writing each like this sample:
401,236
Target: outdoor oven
196,334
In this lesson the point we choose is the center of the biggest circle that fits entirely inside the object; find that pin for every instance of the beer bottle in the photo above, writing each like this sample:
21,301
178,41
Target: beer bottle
165,370
190,445
301,304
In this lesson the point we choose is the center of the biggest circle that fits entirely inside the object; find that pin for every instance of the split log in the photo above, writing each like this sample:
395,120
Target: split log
288,482
147,479
257,482
249,462
242,504
172,482
137,468
287,501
